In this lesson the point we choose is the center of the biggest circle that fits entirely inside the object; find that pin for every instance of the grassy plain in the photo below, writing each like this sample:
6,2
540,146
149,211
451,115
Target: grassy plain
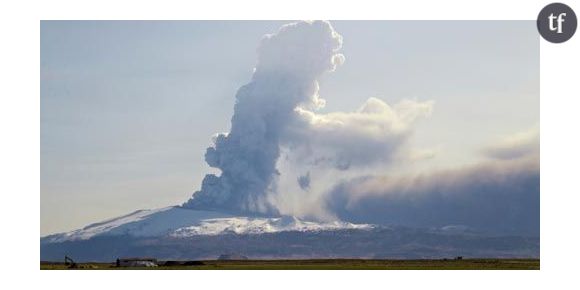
325,264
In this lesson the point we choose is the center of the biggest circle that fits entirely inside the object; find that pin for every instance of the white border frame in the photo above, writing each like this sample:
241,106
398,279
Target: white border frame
19,154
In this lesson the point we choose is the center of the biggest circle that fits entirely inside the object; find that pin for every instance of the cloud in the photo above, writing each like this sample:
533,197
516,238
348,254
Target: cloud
285,77
304,49
494,196
375,133
342,145
277,110
515,146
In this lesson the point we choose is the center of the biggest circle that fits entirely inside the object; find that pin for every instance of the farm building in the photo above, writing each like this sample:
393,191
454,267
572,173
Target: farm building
137,262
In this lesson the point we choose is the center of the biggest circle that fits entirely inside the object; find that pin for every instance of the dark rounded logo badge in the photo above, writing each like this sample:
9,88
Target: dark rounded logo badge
557,22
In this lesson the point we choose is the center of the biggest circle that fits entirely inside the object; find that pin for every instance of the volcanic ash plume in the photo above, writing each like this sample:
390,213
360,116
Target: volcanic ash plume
285,77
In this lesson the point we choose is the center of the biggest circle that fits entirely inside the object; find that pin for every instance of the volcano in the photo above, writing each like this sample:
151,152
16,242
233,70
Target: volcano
177,233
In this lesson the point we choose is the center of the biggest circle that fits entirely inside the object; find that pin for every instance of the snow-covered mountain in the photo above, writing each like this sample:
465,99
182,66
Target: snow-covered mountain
176,233
181,222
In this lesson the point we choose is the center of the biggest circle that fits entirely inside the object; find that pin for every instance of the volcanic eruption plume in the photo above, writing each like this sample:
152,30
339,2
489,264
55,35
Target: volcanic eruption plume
285,77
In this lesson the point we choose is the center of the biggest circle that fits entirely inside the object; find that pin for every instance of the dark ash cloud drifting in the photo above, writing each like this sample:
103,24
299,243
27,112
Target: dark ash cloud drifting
495,196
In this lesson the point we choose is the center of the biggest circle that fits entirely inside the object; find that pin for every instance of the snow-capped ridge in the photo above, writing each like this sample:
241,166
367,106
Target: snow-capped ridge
180,222
245,225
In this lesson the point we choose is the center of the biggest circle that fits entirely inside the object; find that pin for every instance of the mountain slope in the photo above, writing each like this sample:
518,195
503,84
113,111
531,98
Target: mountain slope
181,222
175,233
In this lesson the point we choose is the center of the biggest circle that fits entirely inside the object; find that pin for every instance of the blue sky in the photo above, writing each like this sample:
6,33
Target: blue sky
128,108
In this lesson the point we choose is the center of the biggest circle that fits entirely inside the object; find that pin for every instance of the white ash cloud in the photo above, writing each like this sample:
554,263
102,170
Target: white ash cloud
277,110
289,64
375,133
343,145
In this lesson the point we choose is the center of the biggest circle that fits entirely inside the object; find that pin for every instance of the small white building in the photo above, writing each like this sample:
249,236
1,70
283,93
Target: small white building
137,262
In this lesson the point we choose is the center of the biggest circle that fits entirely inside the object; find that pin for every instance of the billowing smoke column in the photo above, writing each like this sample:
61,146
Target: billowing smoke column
285,77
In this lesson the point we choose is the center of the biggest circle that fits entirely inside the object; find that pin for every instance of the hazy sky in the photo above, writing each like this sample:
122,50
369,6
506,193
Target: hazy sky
128,108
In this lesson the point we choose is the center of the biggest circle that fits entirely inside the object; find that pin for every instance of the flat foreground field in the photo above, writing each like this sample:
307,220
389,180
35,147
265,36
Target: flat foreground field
326,264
